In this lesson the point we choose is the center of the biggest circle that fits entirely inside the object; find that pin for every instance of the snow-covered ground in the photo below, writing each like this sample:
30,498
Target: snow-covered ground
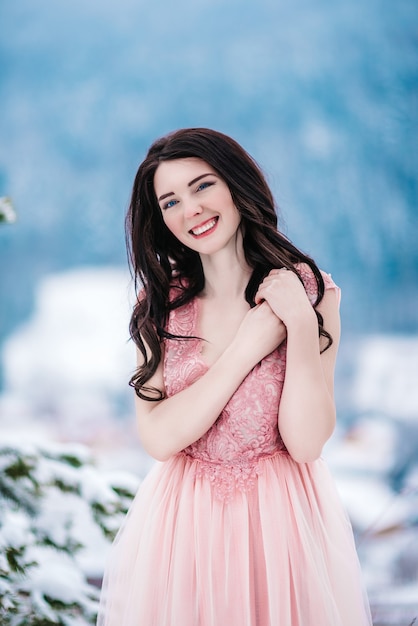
67,369
66,374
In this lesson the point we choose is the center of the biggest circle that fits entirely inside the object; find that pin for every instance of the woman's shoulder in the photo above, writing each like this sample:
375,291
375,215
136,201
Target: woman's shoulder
175,291
309,280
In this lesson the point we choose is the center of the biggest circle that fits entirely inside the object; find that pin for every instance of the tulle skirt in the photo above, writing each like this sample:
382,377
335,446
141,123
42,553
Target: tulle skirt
279,554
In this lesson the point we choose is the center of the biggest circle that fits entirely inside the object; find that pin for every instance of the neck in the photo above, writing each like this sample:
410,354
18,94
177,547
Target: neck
226,274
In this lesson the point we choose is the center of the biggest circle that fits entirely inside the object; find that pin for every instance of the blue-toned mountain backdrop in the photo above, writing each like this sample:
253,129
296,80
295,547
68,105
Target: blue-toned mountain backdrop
323,94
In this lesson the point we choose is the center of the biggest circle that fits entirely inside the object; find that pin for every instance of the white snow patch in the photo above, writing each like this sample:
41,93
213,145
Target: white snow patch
373,507
94,489
14,529
77,338
56,577
74,386
369,445
387,376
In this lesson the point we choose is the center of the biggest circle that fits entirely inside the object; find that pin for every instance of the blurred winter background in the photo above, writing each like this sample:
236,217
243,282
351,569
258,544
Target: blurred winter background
325,96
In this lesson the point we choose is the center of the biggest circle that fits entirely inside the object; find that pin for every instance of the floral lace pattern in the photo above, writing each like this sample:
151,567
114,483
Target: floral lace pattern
246,431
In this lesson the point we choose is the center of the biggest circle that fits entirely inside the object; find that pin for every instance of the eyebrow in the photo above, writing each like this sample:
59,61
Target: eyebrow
192,182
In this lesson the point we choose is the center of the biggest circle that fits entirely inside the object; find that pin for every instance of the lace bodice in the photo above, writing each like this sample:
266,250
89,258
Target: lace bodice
247,428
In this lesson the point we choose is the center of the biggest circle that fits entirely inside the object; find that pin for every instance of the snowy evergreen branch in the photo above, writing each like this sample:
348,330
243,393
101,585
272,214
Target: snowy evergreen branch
7,211
53,504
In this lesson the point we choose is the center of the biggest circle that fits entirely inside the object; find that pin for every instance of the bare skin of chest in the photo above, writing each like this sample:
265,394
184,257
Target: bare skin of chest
217,324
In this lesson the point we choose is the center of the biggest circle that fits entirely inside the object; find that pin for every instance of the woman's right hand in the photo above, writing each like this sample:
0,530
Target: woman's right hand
259,333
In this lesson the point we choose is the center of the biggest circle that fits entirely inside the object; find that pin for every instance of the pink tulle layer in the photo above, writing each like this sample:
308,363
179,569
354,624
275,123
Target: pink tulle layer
278,554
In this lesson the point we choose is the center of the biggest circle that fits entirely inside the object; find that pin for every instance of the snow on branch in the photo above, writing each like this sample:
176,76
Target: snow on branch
58,515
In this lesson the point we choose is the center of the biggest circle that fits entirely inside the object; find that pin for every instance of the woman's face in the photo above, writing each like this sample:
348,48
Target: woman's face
196,205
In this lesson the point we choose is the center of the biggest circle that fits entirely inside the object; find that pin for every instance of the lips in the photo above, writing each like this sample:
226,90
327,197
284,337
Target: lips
205,228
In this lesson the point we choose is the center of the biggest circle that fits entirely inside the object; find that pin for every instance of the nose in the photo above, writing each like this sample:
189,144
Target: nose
192,207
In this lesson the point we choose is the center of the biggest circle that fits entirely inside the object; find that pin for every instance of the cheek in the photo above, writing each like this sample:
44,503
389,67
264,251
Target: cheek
171,222
166,219
236,216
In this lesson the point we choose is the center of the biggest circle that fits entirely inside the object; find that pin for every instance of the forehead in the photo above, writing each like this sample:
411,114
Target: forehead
171,175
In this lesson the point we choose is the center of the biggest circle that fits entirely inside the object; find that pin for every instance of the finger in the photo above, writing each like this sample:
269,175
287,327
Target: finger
274,274
277,270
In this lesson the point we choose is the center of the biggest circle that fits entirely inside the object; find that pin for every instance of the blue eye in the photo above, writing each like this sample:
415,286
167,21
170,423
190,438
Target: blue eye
204,185
170,204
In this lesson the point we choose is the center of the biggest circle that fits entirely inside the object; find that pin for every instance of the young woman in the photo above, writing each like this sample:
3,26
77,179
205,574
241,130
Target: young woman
236,333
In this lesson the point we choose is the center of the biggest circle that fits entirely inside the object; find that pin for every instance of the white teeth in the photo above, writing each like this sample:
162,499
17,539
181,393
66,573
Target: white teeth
204,228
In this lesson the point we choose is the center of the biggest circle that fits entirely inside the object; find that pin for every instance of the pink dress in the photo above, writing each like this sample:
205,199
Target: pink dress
232,531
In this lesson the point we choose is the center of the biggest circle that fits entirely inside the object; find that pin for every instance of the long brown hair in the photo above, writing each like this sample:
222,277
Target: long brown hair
159,262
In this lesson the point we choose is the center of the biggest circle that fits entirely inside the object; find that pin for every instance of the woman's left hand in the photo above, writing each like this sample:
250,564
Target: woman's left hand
286,296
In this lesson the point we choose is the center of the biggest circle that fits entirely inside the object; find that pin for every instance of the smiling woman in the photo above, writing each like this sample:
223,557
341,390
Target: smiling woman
199,206
237,333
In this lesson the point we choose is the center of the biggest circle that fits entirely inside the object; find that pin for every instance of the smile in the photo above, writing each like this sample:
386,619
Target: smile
205,228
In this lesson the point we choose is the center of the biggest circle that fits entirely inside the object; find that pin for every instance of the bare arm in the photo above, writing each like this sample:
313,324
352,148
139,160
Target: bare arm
307,408
170,425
